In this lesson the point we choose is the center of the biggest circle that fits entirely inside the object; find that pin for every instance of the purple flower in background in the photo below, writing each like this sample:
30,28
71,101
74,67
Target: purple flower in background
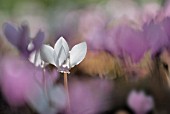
110,43
123,41
18,79
132,43
89,96
92,28
19,37
156,36
165,24
139,102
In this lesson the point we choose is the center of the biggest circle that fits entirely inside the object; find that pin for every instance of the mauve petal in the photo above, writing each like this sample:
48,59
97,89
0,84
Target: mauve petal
19,37
24,36
89,97
16,80
132,43
156,37
11,33
166,25
38,40
24,40
110,43
19,78
92,26
125,41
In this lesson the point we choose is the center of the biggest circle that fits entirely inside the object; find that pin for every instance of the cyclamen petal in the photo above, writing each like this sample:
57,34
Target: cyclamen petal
156,37
38,40
135,38
24,32
11,33
166,25
78,53
61,51
46,53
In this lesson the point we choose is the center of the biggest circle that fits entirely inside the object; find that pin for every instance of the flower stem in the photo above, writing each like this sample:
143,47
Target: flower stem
67,92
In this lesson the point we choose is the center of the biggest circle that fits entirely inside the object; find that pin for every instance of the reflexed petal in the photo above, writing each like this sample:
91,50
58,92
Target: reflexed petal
46,53
24,36
78,53
11,34
61,51
38,40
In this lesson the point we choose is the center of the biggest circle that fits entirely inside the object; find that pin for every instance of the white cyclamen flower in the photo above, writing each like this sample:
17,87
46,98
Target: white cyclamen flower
61,57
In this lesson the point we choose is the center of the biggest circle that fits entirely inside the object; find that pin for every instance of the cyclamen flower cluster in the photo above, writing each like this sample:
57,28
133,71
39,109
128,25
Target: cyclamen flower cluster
38,91
118,37
60,56
124,39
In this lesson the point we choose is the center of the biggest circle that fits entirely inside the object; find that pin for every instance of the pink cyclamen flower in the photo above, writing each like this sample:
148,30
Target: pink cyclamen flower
89,96
124,40
95,34
18,79
139,102
156,36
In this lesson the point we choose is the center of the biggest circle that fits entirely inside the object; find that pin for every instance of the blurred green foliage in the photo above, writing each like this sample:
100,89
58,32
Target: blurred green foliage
141,2
9,5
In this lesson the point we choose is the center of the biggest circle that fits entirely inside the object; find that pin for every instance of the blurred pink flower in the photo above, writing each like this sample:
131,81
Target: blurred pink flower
125,41
132,43
89,97
92,27
139,102
150,11
19,78
165,25
156,37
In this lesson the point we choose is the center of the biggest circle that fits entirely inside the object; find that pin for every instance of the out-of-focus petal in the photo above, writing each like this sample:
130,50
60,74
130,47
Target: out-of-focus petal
50,101
19,79
132,43
165,24
90,96
16,80
155,36
92,26
11,34
24,36
38,40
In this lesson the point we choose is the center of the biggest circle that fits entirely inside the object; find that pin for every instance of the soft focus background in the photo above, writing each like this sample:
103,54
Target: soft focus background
126,69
